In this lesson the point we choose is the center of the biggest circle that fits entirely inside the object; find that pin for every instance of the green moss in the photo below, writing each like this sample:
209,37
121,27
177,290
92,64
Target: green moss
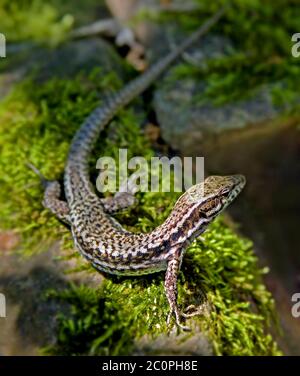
37,124
33,19
221,272
46,22
226,269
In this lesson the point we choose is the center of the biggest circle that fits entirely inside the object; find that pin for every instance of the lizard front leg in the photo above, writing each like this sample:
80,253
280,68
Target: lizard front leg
120,201
171,288
123,199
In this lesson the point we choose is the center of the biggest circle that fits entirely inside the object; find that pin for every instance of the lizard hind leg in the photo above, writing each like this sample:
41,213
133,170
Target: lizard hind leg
52,199
122,199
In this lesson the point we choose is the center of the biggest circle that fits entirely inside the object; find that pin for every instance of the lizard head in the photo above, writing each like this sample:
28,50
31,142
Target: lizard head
198,207
214,194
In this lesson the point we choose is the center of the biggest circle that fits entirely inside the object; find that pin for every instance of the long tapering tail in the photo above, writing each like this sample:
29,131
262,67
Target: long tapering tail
88,133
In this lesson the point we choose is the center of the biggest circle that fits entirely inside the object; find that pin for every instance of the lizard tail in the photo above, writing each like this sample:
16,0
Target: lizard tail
85,138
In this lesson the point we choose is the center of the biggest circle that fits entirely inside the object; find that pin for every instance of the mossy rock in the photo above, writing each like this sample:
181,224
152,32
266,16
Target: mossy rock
236,81
220,272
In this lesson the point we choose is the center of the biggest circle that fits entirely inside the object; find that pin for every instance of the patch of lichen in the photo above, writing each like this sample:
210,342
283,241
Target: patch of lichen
219,271
260,33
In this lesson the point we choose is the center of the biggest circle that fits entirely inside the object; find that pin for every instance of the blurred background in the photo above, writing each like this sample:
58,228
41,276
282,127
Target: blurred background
233,98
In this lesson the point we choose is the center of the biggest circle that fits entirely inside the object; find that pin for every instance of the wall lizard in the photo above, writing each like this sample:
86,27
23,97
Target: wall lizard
99,237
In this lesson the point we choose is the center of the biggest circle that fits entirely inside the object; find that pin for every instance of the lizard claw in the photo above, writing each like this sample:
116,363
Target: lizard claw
196,311
178,323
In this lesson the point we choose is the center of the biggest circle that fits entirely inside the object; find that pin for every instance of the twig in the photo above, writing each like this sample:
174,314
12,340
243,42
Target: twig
108,27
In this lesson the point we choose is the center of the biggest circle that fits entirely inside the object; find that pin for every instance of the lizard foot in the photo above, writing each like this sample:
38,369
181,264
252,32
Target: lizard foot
197,311
178,323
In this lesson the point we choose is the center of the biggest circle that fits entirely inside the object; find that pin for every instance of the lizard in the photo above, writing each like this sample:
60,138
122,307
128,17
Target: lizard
103,241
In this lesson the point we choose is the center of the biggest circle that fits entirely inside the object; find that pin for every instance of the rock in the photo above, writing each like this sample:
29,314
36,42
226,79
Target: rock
81,55
64,61
197,345
31,318
191,127
13,67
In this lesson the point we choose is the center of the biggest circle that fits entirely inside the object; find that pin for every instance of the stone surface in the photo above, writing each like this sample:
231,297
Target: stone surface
31,318
186,127
76,56
196,344
189,126
64,61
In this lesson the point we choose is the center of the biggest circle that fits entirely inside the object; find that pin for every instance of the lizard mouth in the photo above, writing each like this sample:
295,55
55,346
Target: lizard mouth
239,183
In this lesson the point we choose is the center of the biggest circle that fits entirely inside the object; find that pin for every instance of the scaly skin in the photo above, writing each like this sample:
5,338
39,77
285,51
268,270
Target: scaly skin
99,237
